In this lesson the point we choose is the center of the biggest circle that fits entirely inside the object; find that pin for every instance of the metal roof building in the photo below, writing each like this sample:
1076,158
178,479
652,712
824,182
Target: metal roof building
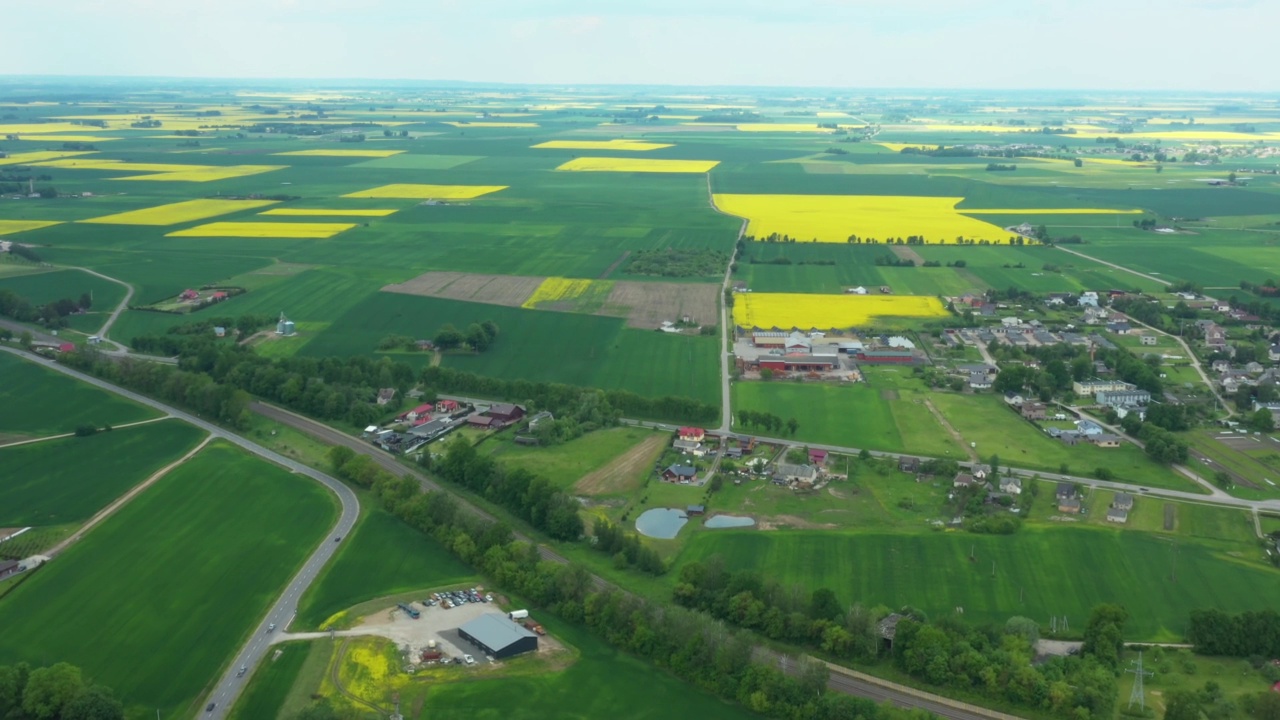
499,636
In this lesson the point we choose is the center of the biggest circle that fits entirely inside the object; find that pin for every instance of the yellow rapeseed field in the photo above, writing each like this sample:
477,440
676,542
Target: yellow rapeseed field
555,289
28,158
833,218
797,310
407,191
264,230
70,138
16,226
170,172
40,128
179,212
310,212
614,144
342,153
604,164
370,669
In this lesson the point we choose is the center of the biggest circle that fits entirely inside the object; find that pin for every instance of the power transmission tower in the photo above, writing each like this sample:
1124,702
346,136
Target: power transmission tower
1139,694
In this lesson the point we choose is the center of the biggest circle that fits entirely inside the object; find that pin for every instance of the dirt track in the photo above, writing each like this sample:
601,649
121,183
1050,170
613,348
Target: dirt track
616,476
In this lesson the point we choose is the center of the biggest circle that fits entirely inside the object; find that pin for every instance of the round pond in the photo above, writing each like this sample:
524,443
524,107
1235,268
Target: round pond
661,523
729,521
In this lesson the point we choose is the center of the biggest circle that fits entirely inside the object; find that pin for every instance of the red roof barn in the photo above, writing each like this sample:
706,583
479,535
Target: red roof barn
67,347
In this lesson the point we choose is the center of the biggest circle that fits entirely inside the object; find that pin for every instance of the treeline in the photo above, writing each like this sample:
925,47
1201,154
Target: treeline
676,262
179,338
626,548
552,396
195,391
994,662
527,496
767,421
51,315
689,645
57,692
1252,633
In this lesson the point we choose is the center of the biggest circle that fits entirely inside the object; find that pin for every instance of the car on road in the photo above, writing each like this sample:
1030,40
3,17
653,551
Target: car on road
337,538
271,627
210,707
243,669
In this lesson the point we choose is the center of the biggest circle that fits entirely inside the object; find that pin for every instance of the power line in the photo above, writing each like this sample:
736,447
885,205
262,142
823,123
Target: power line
1138,695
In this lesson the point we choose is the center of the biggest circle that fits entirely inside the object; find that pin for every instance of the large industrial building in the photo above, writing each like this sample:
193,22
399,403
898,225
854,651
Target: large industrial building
499,636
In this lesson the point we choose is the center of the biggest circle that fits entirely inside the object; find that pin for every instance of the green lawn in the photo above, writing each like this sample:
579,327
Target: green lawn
64,481
174,582
36,401
383,556
1055,571
852,415
566,463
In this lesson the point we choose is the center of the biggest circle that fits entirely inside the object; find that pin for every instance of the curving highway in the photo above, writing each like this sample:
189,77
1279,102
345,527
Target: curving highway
228,688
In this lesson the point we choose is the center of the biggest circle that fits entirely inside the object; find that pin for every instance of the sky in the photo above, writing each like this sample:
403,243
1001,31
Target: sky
1194,45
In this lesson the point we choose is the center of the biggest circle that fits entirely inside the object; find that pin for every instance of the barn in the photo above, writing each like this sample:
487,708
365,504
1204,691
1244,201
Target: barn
499,636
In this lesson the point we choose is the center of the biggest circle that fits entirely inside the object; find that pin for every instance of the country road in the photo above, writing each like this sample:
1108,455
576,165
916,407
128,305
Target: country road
228,688
115,314
726,321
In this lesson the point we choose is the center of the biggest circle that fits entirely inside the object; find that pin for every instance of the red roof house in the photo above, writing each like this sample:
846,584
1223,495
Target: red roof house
817,457
67,347
447,406
693,434
422,410
189,294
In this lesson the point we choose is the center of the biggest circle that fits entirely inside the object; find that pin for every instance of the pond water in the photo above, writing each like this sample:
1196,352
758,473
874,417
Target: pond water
661,523
729,521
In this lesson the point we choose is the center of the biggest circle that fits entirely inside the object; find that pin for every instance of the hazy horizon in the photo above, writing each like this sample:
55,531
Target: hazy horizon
1090,45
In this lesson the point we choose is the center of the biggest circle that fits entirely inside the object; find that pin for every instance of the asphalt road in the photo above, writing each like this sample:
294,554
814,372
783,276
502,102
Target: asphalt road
231,684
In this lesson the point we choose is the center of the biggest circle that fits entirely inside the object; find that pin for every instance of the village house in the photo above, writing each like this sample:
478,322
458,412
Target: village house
908,464
1013,398
1033,411
1088,427
692,434
1149,339
680,473
505,413
963,480
386,395
423,410
817,458
980,471
1011,485
1273,353
1120,508
786,473
979,381
1118,398
1089,387
1105,440
689,447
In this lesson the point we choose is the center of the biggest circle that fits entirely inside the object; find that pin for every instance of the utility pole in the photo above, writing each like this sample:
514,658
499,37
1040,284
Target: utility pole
1138,694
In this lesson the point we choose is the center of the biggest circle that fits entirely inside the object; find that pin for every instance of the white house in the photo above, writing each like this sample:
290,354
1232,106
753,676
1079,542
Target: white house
1088,299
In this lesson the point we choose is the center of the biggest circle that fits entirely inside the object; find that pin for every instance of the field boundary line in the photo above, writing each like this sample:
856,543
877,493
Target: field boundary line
124,303
71,434
123,500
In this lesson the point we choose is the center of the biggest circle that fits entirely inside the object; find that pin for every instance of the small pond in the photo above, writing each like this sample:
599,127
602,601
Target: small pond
661,523
729,521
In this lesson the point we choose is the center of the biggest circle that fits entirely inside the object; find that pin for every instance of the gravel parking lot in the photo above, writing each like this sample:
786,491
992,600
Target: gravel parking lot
435,623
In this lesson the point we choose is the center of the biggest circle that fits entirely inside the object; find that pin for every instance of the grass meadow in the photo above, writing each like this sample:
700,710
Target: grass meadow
566,463
68,480
35,401
190,564
383,556
1039,572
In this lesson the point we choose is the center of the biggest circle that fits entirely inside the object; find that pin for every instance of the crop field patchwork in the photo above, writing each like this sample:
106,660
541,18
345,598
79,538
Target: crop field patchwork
318,212
466,124
26,158
614,144
166,172
314,230
339,153
406,191
418,162
509,290
556,293
179,212
800,310
191,563
606,164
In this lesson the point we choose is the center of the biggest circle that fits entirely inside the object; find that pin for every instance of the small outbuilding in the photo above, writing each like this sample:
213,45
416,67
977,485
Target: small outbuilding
499,636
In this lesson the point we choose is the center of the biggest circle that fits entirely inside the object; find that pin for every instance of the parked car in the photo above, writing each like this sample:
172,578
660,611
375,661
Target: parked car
468,660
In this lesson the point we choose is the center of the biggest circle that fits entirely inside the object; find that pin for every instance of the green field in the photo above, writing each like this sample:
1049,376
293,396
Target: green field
566,463
192,563
35,401
1039,572
65,481
383,556
270,687
857,415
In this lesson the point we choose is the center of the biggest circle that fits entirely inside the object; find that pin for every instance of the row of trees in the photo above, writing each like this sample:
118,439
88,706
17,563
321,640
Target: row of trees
58,692
767,421
626,548
1253,633
552,396
688,644
50,315
478,337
